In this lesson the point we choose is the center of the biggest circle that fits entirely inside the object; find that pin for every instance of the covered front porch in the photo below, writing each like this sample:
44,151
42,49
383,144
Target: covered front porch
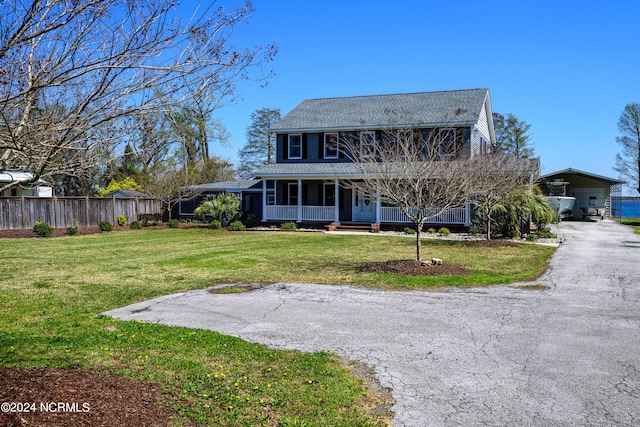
308,200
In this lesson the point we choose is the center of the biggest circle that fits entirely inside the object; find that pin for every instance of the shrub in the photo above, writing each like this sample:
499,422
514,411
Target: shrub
546,233
106,226
149,219
431,230
237,226
72,231
122,220
42,229
137,225
444,231
289,226
409,230
215,224
173,223
251,220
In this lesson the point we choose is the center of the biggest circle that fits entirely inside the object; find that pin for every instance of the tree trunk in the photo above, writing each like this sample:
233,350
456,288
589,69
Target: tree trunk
418,242
489,225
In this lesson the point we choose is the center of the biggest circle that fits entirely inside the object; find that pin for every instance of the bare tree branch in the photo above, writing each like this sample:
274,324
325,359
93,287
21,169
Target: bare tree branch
73,72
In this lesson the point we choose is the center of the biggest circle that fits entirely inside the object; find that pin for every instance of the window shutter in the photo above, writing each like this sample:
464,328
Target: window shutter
285,146
321,146
303,146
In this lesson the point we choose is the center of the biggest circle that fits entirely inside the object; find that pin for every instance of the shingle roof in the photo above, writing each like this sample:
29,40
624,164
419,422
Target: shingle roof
126,193
348,169
238,184
583,173
308,169
420,108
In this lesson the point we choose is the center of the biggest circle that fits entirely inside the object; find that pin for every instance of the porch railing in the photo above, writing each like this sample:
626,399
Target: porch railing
318,213
387,214
452,216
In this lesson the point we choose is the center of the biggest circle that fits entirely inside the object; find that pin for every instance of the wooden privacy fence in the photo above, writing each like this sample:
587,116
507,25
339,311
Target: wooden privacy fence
62,212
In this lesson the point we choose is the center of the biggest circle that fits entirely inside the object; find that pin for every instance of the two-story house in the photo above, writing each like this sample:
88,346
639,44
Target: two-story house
304,184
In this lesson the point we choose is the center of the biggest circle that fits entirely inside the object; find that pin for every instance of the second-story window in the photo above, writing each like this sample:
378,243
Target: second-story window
367,144
330,145
295,146
447,142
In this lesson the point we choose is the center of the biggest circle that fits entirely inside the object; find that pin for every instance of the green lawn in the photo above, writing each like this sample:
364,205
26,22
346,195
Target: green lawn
52,290
633,222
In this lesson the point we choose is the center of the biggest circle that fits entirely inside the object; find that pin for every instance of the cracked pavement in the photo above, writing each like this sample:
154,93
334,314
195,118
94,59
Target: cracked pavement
497,356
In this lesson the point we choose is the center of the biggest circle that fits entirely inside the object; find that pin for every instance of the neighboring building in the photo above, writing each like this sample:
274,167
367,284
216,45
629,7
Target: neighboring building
305,182
127,194
249,191
595,196
38,189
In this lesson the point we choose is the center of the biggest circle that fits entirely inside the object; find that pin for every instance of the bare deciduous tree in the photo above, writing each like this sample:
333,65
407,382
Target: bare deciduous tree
628,161
166,186
422,172
72,72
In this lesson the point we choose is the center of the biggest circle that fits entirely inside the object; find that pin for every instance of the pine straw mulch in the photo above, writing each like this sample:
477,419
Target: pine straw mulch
412,267
87,399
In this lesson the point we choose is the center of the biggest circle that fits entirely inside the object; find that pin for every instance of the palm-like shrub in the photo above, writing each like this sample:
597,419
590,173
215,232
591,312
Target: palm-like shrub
223,206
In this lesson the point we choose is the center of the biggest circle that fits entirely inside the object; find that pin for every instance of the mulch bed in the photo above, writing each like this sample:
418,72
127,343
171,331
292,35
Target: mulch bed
414,268
76,397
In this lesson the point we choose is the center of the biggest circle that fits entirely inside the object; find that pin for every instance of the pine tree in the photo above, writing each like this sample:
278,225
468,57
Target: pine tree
260,147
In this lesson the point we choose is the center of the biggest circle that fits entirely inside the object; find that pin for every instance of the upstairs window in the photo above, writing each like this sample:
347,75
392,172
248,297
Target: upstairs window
405,143
295,146
447,142
330,145
367,144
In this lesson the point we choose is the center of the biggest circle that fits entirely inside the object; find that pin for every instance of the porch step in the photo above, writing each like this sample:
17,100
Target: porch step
337,226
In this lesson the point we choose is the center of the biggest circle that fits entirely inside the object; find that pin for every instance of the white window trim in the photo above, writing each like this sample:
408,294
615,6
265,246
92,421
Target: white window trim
293,186
373,139
455,148
332,156
289,146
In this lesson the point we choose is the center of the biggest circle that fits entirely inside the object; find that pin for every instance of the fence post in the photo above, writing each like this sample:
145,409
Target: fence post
113,206
22,211
86,211
55,212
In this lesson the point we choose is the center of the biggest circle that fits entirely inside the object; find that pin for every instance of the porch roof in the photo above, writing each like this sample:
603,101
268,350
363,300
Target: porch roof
319,170
351,170
228,186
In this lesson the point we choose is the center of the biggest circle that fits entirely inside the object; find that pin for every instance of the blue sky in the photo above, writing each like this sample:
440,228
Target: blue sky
566,67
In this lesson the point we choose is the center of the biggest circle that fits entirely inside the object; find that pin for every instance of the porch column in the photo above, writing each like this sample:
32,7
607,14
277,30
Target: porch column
336,210
467,213
299,200
378,203
264,200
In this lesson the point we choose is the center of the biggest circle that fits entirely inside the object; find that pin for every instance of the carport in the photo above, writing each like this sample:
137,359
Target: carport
592,192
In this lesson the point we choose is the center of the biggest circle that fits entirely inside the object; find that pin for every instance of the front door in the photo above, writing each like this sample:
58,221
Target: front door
364,208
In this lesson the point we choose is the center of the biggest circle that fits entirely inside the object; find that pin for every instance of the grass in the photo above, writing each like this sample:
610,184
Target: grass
633,222
53,290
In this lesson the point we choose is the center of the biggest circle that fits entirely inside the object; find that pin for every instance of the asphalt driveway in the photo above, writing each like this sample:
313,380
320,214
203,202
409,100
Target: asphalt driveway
494,356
